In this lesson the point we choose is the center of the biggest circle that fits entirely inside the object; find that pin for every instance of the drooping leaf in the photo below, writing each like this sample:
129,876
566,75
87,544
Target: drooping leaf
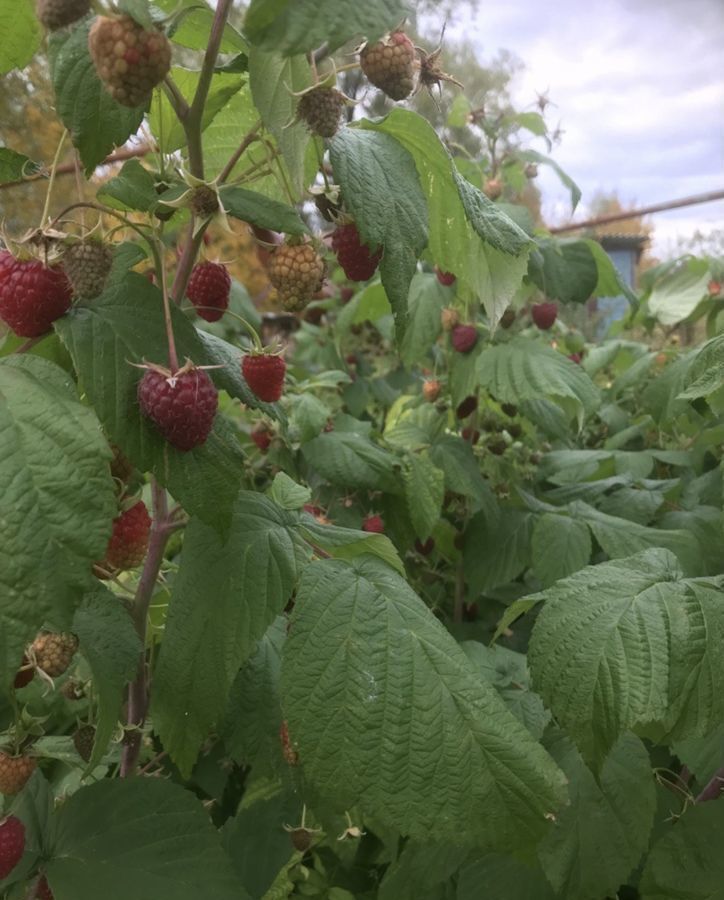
57,502
15,166
95,121
629,644
347,543
381,189
564,270
297,26
468,237
497,549
425,303
364,656
600,837
144,838
132,188
226,595
109,642
259,210
677,294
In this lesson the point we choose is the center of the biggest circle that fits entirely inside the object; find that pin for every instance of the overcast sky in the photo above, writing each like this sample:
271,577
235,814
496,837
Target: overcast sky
639,88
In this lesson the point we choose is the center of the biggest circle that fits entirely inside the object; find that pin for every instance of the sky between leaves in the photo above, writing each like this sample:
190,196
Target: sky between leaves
639,92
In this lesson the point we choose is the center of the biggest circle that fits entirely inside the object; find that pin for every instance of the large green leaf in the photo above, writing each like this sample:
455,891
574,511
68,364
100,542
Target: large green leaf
469,237
523,369
125,326
630,644
95,121
381,189
298,26
561,546
272,78
253,715
462,472
347,459
600,837
21,34
706,372
676,295
687,862
509,878
226,595
109,642
424,491
144,838
57,501
425,303
260,210
364,657
132,188
564,270
497,548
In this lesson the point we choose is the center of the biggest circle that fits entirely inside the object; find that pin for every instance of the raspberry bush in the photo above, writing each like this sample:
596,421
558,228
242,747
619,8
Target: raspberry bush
402,581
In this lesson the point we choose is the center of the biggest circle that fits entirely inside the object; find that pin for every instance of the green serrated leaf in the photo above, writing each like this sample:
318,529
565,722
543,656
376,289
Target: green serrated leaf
564,270
109,642
224,598
629,644
57,502
95,121
560,546
600,837
15,166
285,492
497,549
425,303
144,838
365,656
462,472
424,492
347,543
260,210
297,26
272,79
483,247
347,459
381,189
132,188
523,369
21,34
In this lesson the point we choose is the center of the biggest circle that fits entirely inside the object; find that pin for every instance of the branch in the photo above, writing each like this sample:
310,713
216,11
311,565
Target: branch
192,121
138,690
69,168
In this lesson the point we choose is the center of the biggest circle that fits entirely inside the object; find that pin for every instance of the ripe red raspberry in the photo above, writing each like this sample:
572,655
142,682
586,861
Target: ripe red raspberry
374,524
182,406
129,539
129,60
32,296
445,278
357,260
544,315
87,265
264,373
53,653
83,741
575,357
42,891
55,14
12,844
467,407
431,390
262,437
14,772
390,65
321,108
464,338
208,290
297,272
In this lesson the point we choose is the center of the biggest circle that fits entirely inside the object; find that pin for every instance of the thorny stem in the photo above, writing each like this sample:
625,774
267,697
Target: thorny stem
161,528
51,182
172,355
